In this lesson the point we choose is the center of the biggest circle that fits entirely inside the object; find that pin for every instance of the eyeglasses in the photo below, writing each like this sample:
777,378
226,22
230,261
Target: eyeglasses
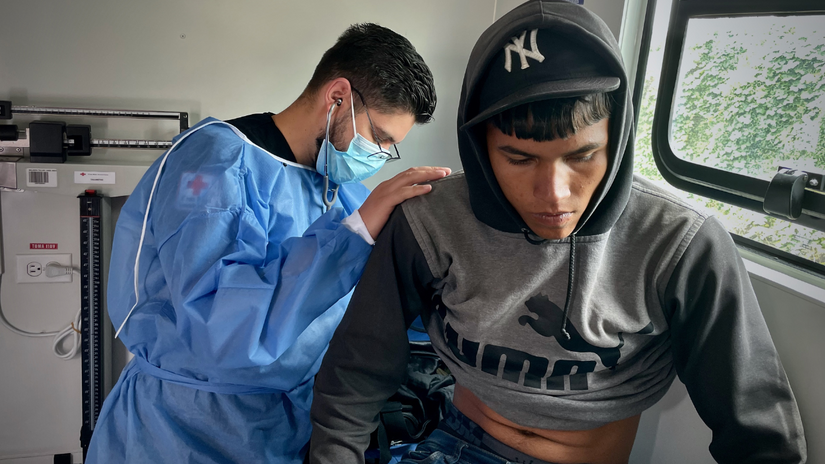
382,153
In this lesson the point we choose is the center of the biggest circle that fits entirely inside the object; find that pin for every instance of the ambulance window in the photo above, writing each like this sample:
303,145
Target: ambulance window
728,100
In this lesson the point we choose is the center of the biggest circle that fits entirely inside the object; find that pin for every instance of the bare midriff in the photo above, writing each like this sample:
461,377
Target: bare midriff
608,444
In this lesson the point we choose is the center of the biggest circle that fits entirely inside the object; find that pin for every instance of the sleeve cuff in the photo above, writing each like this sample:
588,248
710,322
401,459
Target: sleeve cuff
354,223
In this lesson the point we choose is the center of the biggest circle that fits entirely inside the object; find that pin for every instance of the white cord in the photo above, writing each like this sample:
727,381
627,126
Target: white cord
72,330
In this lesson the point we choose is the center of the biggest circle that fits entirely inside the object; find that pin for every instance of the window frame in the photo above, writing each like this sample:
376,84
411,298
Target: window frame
725,186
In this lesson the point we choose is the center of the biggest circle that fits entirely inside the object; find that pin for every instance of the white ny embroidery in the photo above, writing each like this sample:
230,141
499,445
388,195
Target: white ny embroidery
518,47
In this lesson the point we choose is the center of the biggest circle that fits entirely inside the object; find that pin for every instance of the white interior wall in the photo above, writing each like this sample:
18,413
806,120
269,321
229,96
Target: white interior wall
226,59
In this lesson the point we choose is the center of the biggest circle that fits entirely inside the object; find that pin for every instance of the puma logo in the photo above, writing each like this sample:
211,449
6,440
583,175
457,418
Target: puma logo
548,324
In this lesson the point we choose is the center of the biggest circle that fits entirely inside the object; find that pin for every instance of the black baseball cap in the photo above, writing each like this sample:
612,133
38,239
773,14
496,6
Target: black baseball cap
541,64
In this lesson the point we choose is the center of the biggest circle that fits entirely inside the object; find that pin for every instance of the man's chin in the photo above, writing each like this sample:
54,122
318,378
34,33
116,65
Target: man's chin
553,235
552,232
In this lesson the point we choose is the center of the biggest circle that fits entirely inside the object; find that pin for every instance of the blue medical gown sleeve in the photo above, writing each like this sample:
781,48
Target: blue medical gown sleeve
237,302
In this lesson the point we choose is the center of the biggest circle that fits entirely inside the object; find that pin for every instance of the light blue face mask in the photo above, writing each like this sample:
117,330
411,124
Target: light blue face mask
361,160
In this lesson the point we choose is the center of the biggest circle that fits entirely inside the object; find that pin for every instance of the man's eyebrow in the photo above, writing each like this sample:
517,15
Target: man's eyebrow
385,137
582,149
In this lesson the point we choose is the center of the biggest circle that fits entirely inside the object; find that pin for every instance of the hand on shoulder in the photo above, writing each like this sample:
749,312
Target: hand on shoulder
387,195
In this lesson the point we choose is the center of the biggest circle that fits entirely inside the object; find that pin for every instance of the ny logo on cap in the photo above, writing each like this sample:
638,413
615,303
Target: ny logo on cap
518,47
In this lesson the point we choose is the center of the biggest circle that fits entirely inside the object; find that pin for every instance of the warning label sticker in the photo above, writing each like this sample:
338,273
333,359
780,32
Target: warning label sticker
42,246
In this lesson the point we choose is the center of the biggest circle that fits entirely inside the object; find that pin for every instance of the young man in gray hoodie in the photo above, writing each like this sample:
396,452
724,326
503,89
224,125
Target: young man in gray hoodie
563,292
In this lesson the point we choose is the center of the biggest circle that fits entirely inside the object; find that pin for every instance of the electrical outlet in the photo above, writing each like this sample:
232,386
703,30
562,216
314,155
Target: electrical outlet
31,269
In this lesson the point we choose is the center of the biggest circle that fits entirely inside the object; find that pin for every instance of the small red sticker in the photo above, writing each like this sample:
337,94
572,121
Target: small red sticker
42,246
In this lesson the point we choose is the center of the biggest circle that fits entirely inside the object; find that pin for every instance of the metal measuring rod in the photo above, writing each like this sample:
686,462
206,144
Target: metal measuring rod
54,141
95,330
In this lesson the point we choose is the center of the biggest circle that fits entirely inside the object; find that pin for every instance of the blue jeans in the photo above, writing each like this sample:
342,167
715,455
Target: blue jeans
458,440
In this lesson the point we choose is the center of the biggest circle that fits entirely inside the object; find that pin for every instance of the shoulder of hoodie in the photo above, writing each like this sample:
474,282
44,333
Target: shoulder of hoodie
448,198
646,197
654,213
443,219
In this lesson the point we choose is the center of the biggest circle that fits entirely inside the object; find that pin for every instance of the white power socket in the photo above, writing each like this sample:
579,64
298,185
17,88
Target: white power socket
31,269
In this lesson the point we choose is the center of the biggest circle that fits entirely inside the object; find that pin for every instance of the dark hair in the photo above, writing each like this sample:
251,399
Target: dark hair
557,118
383,66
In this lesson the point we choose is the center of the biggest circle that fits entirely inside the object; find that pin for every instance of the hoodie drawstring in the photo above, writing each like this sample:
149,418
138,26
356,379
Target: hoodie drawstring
571,272
530,240
570,282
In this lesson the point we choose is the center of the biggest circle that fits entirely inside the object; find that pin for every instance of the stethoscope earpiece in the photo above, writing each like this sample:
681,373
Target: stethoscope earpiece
327,201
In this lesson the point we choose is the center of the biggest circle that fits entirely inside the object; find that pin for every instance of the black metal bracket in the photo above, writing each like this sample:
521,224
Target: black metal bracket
785,193
5,109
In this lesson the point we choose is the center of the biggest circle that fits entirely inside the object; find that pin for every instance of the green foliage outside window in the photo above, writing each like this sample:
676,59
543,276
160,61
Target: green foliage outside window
751,97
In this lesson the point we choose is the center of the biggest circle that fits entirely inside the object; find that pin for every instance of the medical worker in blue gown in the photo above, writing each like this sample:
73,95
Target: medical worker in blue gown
235,256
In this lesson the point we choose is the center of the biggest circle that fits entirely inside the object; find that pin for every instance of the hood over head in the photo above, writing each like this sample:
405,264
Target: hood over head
541,50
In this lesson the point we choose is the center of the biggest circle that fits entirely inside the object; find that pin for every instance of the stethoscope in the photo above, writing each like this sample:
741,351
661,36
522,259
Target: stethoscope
327,202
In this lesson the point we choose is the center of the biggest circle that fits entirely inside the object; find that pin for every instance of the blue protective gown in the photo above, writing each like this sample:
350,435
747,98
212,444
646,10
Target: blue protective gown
242,280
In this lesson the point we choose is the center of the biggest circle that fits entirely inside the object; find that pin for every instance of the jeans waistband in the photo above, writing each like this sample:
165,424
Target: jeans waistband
460,426
224,388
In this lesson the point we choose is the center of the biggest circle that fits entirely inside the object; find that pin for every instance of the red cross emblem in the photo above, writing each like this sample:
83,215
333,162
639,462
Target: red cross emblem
197,185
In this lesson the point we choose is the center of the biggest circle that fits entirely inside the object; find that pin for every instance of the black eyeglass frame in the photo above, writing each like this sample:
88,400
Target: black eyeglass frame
382,154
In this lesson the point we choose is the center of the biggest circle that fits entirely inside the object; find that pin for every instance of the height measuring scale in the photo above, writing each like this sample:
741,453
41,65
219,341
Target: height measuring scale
52,142
96,330
181,117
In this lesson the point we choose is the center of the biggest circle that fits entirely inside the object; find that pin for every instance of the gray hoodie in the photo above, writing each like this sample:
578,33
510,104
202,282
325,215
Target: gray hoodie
564,334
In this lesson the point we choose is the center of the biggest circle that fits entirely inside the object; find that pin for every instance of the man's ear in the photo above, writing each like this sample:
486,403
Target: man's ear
337,91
